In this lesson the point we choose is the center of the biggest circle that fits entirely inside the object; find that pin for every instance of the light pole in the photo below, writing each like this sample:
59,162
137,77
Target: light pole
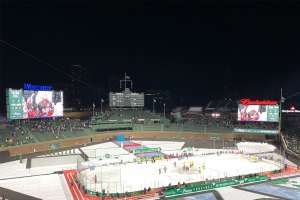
154,101
101,105
93,109
280,114
282,99
164,110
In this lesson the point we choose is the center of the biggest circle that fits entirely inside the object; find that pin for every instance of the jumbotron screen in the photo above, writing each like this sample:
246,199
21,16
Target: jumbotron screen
263,113
25,104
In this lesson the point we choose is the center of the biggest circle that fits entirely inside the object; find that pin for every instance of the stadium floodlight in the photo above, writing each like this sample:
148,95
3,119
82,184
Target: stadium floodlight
164,110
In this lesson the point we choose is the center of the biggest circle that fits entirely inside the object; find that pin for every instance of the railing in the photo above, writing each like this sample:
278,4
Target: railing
290,152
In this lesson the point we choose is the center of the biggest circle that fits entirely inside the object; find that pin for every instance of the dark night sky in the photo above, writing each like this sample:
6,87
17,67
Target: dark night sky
193,49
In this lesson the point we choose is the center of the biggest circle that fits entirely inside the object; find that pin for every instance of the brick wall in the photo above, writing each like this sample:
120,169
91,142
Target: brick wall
72,142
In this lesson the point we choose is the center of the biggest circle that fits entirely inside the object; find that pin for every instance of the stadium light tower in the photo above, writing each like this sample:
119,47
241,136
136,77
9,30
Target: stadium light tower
154,101
164,110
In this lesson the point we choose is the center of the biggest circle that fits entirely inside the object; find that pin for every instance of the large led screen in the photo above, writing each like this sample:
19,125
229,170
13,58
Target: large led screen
264,113
25,104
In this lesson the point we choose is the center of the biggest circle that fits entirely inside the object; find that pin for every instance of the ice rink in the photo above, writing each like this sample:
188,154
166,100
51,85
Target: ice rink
136,176
39,180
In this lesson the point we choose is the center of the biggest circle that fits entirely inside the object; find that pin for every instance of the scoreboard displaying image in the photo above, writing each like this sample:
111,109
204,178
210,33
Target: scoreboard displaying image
126,99
264,113
26,104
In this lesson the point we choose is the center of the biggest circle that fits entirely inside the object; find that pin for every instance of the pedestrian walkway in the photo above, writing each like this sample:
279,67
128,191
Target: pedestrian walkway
289,171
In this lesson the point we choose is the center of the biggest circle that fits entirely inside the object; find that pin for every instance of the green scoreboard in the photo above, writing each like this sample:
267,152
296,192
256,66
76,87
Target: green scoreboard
15,104
272,113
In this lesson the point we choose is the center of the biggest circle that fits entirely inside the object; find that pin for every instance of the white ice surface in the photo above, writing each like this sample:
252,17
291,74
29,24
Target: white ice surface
135,176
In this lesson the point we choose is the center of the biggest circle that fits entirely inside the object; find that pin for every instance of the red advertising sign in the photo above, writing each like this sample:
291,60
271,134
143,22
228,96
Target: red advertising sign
293,108
257,102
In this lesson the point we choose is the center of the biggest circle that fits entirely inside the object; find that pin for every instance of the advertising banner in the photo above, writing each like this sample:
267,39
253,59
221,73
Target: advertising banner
248,130
54,146
179,191
144,150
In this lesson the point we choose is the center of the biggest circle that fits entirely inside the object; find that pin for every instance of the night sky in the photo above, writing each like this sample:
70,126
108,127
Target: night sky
197,50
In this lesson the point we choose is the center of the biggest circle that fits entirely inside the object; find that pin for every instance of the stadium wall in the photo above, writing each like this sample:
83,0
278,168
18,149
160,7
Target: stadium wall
87,114
74,142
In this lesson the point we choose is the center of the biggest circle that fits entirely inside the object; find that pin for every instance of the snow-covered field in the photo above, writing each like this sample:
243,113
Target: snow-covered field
44,187
100,150
255,147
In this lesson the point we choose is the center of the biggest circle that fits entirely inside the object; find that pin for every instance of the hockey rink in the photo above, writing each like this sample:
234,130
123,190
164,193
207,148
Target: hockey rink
134,176
107,173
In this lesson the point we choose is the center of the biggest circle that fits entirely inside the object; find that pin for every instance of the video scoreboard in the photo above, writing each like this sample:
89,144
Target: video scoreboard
265,111
26,104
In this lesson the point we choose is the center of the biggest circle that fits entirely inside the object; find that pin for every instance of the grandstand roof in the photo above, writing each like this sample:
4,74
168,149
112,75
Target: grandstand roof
225,105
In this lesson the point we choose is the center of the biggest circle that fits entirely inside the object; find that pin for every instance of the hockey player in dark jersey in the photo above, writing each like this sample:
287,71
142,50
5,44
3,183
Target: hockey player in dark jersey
45,107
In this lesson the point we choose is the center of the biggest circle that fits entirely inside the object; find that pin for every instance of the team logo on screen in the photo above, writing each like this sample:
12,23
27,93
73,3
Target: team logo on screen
15,93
